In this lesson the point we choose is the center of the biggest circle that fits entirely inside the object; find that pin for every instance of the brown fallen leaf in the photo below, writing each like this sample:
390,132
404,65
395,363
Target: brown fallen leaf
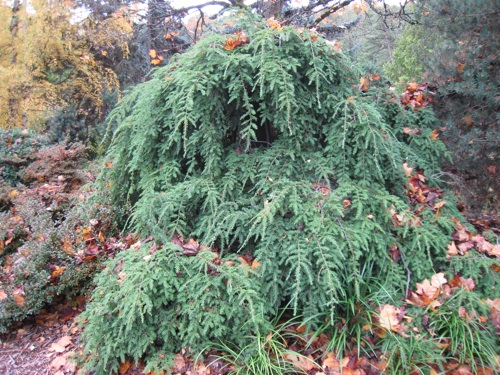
57,363
459,281
19,300
452,249
200,369
55,347
407,169
301,362
64,341
273,24
390,317
124,366
70,366
67,247
349,371
412,87
462,370
179,363
428,289
438,280
332,364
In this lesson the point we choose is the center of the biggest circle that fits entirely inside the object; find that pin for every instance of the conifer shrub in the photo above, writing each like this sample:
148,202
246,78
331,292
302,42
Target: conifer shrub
261,150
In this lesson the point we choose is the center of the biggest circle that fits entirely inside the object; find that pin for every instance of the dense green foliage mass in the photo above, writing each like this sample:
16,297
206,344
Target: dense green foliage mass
407,55
454,46
271,150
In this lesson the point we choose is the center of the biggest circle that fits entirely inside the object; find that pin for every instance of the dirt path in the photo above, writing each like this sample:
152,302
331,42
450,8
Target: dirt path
44,344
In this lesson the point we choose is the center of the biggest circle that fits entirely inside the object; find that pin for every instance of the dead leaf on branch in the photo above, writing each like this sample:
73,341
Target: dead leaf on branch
460,282
411,131
170,35
420,193
463,241
364,84
414,95
124,366
56,271
407,170
240,40
394,253
191,247
273,24
324,189
428,291
18,296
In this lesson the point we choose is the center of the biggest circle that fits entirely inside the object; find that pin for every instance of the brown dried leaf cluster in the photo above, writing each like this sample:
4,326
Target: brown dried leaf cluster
463,241
364,82
240,40
414,95
420,193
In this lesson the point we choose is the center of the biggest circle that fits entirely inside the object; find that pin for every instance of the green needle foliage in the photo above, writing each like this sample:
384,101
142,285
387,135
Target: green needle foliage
145,305
270,149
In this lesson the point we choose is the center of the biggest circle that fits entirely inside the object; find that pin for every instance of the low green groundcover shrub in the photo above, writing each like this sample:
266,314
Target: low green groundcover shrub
52,237
262,149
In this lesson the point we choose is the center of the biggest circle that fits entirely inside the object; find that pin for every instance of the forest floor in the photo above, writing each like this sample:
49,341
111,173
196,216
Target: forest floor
43,345
48,343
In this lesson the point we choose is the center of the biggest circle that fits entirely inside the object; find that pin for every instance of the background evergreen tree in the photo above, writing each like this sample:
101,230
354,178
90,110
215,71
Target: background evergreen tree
454,46
369,41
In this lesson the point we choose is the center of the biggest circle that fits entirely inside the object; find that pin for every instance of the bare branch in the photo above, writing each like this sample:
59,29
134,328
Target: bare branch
331,9
223,4
402,14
